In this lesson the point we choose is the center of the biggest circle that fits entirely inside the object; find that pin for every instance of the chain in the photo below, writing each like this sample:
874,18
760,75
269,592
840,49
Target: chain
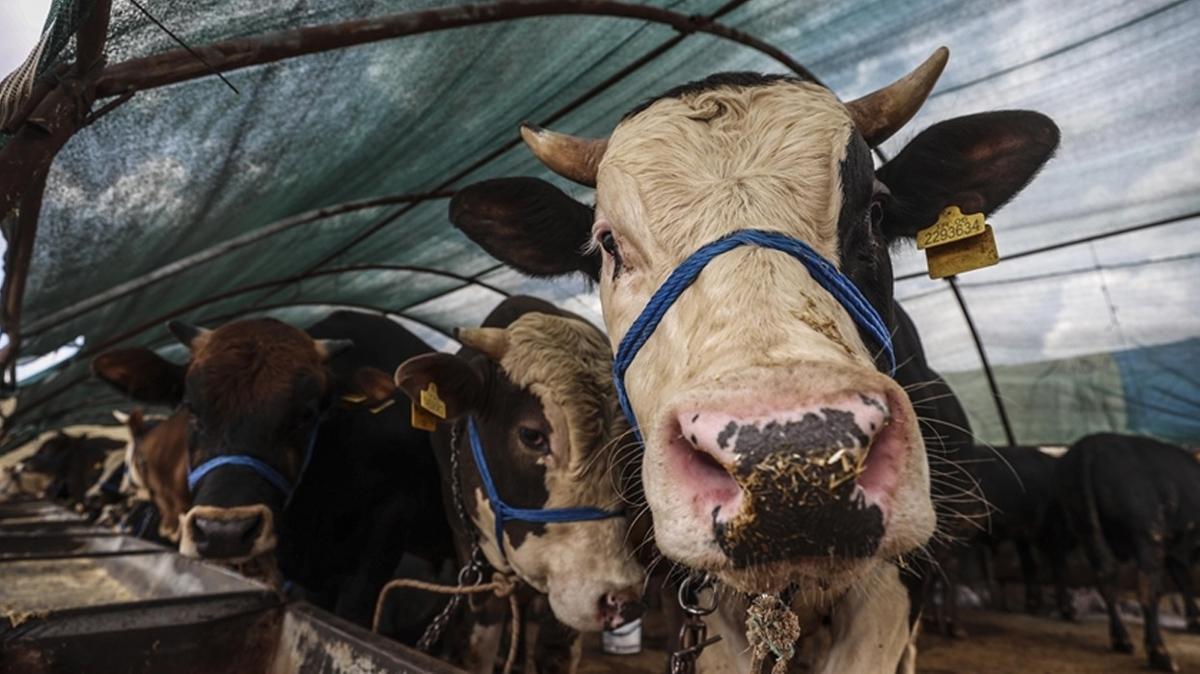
471,573
693,635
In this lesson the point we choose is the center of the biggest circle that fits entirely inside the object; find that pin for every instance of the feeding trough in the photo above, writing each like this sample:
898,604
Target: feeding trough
83,599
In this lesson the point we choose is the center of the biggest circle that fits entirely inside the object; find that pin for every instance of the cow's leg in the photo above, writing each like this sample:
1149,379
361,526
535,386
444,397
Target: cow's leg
1058,571
379,559
1150,565
487,631
557,648
870,626
1117,634
1029,575
989,575
949,624
1181,574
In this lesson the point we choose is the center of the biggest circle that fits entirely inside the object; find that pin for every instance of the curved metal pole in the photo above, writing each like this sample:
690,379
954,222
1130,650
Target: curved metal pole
179,266
987,367
179,65
67,386
87,352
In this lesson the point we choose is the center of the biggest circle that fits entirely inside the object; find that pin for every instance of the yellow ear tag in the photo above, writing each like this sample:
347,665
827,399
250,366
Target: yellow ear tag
431,402
958,243
951,226
423,420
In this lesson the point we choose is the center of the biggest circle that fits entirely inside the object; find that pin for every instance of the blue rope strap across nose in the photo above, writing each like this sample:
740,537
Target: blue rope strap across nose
501,511
824,273
262,468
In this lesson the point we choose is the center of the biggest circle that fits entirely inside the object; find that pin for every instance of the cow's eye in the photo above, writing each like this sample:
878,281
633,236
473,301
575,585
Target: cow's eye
876,211
534,439
608,242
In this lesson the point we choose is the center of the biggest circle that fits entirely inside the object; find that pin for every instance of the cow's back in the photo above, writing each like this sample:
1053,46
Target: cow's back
1135,484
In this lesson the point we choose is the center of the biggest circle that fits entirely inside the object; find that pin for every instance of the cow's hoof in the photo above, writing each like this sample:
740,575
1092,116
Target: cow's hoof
1160,660
1122,646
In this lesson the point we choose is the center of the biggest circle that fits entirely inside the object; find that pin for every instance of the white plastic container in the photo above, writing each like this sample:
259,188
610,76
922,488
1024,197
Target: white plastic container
624,640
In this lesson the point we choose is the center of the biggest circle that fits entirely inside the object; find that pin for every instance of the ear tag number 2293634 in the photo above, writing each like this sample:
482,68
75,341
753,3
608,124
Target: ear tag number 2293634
957,243
432,409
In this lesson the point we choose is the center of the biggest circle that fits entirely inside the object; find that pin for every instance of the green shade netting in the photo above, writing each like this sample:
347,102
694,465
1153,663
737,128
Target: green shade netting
178,170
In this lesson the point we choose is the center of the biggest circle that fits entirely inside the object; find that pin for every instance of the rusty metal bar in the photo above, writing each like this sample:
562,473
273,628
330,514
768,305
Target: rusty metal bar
178,65
987,367
25,162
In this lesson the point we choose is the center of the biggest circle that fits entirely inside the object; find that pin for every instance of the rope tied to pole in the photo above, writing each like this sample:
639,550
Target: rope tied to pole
501,585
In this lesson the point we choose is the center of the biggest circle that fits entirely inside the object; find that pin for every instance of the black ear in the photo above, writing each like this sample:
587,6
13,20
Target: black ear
458,384
142,375
977,163
528,224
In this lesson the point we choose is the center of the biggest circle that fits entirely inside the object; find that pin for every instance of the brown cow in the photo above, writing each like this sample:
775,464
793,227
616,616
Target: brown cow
156,459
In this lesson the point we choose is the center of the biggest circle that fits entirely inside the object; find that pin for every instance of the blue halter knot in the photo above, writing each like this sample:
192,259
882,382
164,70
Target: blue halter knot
501,511
262,468
824,273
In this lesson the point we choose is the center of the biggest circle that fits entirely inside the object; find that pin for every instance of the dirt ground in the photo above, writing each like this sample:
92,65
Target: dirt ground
997,643
1011,643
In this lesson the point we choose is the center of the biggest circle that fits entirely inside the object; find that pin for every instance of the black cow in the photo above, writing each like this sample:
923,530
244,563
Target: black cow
1020,486
1135,499
269,404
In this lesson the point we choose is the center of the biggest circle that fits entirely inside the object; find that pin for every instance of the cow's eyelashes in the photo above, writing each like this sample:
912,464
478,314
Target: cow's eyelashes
534,439
876,210
608,243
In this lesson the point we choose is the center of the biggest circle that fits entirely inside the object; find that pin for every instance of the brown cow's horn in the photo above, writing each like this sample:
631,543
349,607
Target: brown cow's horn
571,157
491,342
882,113
187,334
328,348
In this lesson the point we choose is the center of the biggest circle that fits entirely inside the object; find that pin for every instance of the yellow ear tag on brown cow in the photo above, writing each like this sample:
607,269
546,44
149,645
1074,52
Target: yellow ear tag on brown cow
431,402
423,420
958,243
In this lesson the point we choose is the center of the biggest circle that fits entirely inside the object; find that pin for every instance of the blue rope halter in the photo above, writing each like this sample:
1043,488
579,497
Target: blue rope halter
824,273
501,511
264,470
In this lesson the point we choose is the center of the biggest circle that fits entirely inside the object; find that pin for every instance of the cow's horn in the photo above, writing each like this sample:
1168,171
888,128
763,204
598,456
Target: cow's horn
188,334
571,157
882,113
491,342
328,348
121,417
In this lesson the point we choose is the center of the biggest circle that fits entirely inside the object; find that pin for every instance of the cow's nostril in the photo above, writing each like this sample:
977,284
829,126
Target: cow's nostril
219,537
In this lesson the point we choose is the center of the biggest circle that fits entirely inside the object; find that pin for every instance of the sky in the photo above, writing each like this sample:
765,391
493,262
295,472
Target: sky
20,26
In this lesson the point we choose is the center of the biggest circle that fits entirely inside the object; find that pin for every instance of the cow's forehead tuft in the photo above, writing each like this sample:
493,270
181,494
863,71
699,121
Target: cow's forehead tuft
573,361
730,80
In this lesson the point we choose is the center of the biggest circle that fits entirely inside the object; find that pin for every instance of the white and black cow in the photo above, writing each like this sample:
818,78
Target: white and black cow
779,453
532,388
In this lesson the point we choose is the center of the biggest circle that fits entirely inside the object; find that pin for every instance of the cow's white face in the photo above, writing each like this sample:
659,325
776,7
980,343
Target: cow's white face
551,432
756,392
776,451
